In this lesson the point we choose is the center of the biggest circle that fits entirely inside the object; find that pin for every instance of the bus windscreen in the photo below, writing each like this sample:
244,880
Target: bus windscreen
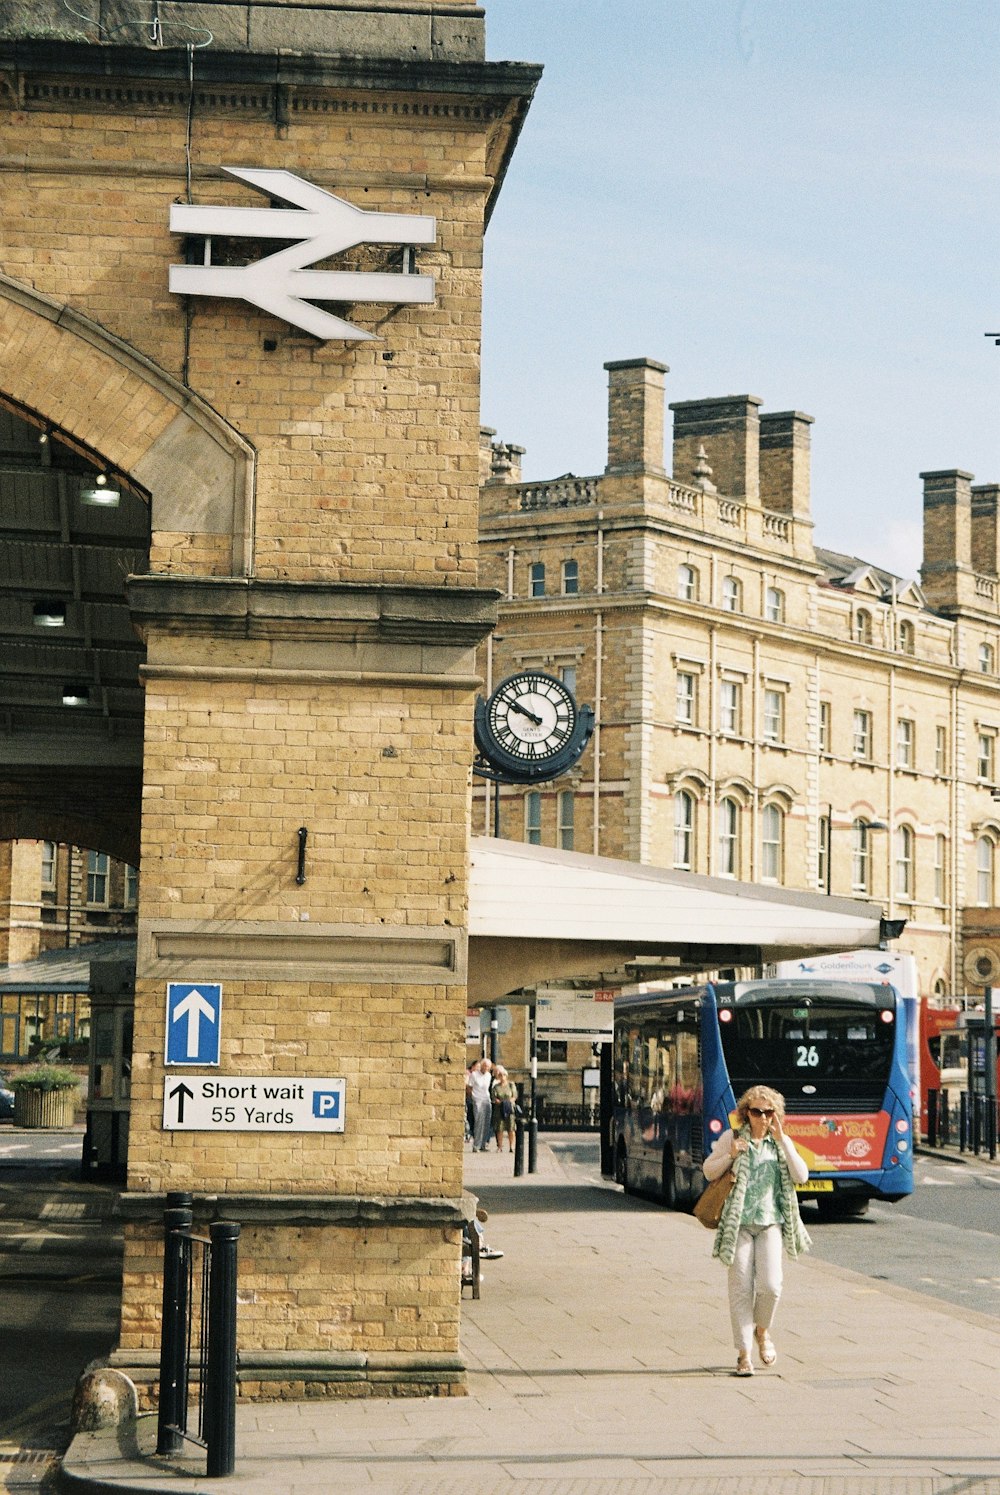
831,1044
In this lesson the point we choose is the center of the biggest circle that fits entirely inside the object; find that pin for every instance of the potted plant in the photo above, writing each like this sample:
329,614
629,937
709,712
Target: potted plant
45,1096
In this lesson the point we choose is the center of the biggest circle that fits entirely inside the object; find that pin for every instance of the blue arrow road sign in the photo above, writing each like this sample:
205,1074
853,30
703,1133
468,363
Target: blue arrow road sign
194,1022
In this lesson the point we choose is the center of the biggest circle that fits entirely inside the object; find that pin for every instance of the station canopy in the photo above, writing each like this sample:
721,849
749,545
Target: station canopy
536,915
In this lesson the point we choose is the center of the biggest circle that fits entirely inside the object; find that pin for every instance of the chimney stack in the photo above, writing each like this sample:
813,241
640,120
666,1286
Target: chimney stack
785,441
486,435
986,529
729,431
635,415
947,535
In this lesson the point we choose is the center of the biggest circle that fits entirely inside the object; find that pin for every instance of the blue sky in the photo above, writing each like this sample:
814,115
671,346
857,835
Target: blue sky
796,199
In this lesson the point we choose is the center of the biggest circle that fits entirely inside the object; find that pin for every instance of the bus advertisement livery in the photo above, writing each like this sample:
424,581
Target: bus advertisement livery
836,1050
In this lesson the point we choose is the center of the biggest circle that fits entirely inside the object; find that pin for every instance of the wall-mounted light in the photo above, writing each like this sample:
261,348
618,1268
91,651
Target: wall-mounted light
49,614
76,695
100,494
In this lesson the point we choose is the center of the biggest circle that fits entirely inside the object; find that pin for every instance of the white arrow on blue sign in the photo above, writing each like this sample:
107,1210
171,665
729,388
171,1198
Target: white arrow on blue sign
194,1022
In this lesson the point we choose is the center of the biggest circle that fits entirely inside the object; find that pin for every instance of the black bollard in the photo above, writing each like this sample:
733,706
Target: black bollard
932,1118
963,1120
172,1407
220,1376
519,1144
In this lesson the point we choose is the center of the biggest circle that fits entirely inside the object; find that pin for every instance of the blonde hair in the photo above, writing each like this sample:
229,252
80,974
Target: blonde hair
761,1095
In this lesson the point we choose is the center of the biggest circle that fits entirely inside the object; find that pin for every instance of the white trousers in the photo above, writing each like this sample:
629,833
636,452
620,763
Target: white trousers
754,1282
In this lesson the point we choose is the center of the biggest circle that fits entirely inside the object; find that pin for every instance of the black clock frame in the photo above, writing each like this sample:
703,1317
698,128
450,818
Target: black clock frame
496,763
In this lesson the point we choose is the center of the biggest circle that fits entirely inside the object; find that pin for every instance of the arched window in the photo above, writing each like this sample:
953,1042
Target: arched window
940,987
570,578
536,579
904,861
772,836
687,583
862,626
533,818
774,605
986,659
860,857
985,857
731,594
728,827
684,813
566,808
907,637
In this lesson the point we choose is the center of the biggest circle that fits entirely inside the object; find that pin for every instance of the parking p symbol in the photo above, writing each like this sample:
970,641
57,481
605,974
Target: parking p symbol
326,1104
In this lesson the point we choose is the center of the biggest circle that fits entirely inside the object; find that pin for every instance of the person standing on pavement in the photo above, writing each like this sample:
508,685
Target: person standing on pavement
760,1216
480,1080
504,1097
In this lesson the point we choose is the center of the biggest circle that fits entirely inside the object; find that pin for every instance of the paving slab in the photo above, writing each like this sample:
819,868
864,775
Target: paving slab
599,1363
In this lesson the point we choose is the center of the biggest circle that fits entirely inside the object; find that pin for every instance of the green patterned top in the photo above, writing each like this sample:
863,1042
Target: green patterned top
762,1201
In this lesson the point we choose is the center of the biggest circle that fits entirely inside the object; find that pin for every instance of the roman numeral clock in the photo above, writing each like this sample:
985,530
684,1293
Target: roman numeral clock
530,729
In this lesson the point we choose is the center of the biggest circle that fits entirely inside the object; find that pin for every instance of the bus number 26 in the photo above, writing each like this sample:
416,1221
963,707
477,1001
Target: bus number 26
806,1057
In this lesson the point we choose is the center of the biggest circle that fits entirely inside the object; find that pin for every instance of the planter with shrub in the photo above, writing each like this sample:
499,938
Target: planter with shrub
45,1096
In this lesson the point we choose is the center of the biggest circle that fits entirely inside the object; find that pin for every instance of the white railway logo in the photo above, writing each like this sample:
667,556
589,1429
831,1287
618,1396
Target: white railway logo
281,283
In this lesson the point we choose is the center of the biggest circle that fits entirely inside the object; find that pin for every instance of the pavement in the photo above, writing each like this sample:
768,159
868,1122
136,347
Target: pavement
600,1363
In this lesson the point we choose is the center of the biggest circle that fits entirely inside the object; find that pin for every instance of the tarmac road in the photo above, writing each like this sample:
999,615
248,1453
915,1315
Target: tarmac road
60,1271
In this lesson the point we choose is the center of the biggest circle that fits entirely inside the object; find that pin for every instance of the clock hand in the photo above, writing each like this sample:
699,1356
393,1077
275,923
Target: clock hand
516,706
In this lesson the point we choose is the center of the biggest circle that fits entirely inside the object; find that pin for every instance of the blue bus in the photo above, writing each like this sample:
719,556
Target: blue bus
836,1050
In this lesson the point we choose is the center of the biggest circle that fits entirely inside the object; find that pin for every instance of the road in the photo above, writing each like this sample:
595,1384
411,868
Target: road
60,1274
941,1241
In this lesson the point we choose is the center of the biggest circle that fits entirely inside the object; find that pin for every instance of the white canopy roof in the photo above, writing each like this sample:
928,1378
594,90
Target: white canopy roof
536,914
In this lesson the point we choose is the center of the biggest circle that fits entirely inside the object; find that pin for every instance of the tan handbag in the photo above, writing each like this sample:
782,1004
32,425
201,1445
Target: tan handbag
709,1205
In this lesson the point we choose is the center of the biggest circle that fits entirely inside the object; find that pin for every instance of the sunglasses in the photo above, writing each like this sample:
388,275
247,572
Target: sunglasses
754,1111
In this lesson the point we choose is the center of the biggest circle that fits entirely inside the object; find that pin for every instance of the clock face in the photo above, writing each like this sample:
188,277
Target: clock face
531,716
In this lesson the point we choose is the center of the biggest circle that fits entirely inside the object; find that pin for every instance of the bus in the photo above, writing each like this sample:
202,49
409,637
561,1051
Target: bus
836,1050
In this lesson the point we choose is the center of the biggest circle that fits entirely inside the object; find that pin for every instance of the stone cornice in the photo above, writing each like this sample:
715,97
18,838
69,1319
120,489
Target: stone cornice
112,70
353,1210
239,607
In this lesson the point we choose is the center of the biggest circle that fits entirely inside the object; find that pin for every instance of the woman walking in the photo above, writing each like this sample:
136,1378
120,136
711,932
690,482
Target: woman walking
760,1216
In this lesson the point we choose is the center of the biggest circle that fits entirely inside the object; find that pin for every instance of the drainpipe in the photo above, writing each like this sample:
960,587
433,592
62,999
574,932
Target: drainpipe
598,686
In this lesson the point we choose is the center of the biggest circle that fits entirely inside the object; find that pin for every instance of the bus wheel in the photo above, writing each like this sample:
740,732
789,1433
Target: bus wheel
621,1168
668,1185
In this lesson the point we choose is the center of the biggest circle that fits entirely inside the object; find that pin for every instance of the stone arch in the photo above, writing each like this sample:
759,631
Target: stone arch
115,401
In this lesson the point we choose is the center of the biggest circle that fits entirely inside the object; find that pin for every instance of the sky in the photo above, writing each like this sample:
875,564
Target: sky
795,199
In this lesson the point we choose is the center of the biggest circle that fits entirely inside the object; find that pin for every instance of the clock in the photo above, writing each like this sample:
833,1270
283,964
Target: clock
531,727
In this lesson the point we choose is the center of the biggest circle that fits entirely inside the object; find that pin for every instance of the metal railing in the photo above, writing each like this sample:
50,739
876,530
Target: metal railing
972,1125
556,1117
202,1334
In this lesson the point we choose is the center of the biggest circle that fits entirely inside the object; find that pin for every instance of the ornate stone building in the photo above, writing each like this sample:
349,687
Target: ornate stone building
766,709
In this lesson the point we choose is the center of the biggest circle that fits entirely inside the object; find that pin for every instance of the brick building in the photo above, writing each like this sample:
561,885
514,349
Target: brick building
766,709
261,680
